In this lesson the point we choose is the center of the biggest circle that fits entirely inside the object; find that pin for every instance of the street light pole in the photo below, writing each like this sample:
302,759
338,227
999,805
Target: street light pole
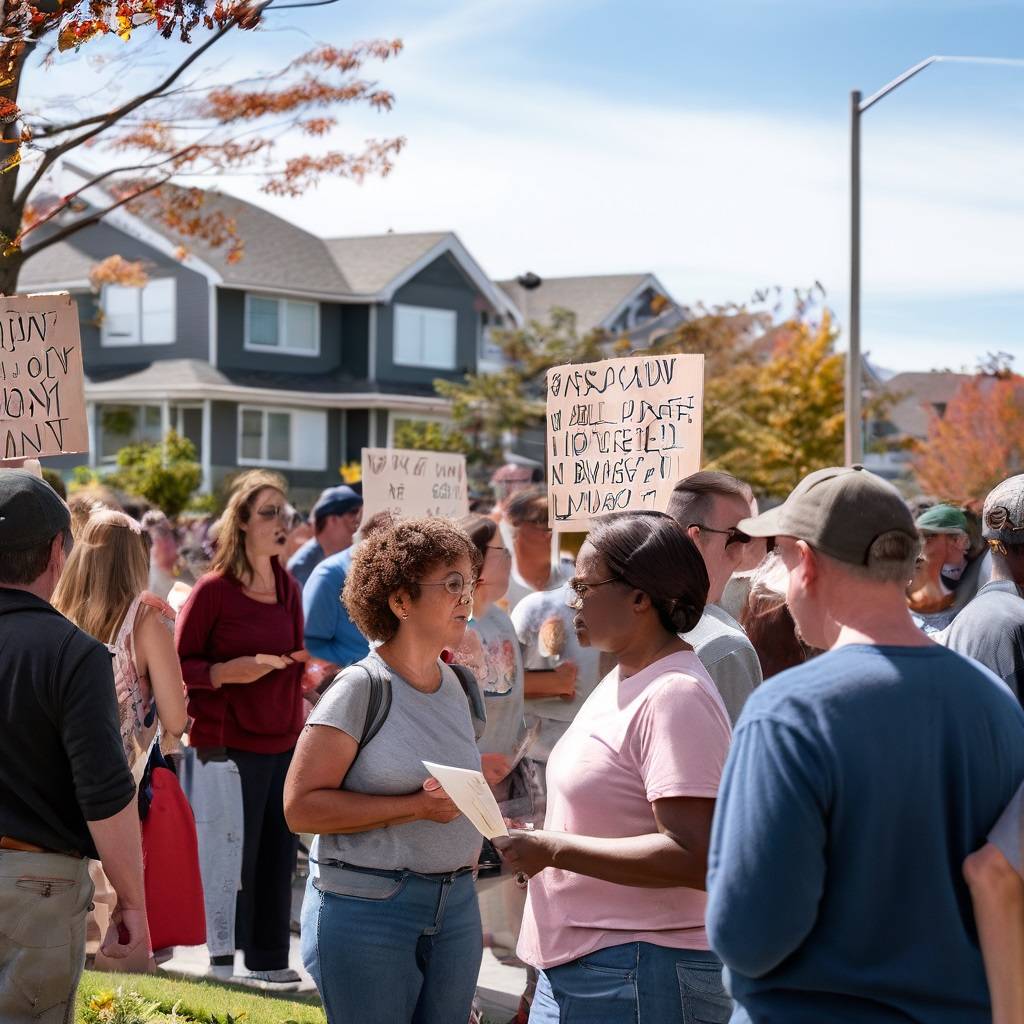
854,438
854,432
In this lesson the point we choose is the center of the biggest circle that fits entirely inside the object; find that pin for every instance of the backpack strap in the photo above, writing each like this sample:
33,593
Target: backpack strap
378,706
471,689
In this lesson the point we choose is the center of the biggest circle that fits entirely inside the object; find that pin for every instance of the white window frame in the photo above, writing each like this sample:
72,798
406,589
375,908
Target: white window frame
453,314
106,341
282,326
292,414
139,407
415,417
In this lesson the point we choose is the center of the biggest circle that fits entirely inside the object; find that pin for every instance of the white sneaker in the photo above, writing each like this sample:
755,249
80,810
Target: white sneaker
282,980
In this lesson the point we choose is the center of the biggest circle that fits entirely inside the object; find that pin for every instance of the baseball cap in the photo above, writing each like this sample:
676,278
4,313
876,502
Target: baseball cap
336,501
31,511
840,511
1002,518
941,519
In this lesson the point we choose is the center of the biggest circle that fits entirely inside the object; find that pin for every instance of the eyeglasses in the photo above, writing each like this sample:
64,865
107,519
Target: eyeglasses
454,584
579,589
535,528
734,535
274,512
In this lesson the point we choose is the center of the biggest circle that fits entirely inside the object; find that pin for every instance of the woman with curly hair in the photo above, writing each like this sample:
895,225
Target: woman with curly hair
390,924
615,909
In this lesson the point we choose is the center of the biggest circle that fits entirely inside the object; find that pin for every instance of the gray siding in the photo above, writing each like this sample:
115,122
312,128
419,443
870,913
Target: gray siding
344,340
442,285
191,302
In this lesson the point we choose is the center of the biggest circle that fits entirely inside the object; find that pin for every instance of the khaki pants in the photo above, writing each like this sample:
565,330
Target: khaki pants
44,900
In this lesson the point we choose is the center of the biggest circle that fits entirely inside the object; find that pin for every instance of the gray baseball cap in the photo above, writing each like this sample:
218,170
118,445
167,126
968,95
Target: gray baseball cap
31,511
840,511
1002,518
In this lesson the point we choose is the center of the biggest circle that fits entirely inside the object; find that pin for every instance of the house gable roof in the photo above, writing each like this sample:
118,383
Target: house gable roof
917,395
596,300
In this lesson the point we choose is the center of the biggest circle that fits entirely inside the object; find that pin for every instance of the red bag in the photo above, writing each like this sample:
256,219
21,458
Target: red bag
170,851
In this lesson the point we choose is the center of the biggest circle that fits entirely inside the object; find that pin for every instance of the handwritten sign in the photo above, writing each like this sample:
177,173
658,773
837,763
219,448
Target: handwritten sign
42,397
411,483
620,434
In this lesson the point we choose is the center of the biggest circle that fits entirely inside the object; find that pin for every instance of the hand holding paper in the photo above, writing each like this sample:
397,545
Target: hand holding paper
469,792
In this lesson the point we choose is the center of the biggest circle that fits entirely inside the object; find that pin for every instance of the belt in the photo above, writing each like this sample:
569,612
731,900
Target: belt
444,876
8,843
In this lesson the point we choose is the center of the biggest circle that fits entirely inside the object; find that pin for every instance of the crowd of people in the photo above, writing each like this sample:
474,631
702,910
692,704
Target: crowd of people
756,766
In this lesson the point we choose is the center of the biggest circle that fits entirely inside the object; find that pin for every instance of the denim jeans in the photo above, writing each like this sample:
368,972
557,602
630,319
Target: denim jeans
407,950
635,983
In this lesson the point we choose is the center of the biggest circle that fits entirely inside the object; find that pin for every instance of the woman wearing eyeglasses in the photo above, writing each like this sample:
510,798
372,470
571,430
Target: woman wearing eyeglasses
390,923
615,910
239,638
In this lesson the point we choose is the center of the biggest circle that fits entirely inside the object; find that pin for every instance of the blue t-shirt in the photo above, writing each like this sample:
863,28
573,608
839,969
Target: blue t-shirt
856,786
330,634
302,563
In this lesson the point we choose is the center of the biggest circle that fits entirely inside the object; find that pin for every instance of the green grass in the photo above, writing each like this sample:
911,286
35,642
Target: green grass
204,1001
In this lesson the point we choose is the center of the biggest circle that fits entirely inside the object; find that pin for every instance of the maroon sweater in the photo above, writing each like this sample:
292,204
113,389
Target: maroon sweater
218,623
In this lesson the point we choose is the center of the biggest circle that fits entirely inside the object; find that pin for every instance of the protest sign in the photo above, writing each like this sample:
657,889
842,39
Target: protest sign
620,434
42,396
412,483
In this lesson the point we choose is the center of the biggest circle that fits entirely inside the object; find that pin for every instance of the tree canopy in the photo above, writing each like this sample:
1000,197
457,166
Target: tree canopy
161,126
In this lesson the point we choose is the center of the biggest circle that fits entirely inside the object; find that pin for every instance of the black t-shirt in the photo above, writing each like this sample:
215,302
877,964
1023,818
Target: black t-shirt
62,762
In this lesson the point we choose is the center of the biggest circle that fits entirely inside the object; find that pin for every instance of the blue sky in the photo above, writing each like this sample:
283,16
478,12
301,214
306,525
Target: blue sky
706,143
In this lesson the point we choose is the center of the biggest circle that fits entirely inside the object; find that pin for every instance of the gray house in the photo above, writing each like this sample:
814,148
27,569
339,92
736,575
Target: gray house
294,358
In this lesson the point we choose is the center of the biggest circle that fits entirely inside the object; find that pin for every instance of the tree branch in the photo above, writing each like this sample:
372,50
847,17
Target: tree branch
112,117
93,218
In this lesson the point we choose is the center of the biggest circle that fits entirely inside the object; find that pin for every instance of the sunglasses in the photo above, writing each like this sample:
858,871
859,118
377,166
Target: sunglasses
734,535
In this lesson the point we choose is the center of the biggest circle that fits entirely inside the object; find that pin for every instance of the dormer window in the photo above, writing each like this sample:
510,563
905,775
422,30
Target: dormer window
286,326
139,316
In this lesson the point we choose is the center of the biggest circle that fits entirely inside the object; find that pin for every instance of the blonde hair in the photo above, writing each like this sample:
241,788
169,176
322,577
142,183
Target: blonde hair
107,569
230,558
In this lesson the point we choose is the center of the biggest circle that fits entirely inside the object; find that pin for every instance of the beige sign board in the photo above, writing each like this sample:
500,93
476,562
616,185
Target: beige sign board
620,434
412,483
42,385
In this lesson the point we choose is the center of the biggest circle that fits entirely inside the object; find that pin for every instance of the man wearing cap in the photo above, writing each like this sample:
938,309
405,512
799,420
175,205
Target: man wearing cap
336,517
66,793
991,628
856,786
943,531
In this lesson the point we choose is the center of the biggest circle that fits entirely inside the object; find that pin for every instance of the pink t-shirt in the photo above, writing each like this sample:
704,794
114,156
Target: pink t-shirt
663,732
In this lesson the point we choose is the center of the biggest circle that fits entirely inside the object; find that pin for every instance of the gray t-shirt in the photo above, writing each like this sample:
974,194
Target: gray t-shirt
729,657
991,630
544,626
419,727
1008,832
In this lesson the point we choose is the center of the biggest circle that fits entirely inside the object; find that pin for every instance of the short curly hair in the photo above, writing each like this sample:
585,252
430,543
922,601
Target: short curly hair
395,558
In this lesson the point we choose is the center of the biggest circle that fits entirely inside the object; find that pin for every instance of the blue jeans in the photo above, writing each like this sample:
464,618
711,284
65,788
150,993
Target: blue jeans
406,950
635,983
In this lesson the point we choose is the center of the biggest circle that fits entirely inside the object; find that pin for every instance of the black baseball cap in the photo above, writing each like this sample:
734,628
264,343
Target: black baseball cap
31,511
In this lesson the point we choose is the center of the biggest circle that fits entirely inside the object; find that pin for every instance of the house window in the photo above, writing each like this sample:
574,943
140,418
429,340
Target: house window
139,316
488,350
291,438
282,325
122,425
425,337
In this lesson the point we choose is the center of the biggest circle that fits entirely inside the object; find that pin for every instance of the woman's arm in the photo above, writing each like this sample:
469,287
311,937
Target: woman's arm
675,855
156,656
997,892
313,801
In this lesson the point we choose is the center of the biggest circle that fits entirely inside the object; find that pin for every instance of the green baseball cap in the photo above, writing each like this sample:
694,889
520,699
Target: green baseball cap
840,511
941,519
31,511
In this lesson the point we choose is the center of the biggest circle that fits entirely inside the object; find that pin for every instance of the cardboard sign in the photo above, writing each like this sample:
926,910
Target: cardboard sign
412,483
42,384
620,434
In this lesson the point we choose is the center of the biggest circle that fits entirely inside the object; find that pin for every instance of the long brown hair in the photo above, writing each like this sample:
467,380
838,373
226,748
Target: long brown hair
107,569
230,558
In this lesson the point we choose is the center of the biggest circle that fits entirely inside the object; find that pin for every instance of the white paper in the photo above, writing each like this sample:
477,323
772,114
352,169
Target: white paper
471,794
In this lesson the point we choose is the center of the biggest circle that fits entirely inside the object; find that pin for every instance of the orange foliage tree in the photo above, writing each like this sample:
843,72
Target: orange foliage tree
177,125
977,442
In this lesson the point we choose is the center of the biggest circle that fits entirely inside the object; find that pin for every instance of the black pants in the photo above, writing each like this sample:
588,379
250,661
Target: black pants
263,918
